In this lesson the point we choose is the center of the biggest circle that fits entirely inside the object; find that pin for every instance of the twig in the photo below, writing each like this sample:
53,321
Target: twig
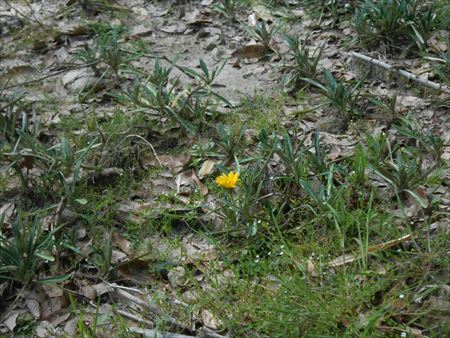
24,16
157,334
59,211
208,333
52,74
402,72
114,285
151,308
149,144
135,318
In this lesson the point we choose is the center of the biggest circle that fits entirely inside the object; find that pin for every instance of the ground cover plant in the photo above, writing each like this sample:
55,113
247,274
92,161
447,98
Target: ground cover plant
224,168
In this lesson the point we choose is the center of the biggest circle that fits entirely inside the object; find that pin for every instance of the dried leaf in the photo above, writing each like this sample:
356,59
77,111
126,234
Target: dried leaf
137,270
252,20
311,267
203,188
207,168
175,163
251,52
263,13
11,320
210,320
437,41
177,276
20,72
34,307
7,210
199,17
122,243
71,327
44,330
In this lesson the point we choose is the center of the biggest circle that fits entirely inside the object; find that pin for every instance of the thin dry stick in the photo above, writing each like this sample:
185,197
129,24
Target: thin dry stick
402,72
51,75
208,333
149,144
135,318
151,308
157,334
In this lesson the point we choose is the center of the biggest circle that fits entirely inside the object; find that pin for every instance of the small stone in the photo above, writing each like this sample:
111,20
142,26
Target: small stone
177,276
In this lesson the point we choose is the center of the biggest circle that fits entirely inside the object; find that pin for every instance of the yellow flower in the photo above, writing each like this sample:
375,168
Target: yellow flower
228,181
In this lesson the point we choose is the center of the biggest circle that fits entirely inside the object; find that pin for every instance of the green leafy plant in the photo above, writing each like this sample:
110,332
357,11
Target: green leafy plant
105,57
320,8
441,64
342,97
294,159
12,108
26,251
241,209
398,23
401,166
189,107
228,8
59,164
262,33
227,140
304,63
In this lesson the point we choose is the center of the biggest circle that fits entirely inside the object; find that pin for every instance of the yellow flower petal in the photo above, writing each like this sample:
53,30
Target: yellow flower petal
228,181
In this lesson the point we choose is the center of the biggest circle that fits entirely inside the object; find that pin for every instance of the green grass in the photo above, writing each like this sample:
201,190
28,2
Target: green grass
294,211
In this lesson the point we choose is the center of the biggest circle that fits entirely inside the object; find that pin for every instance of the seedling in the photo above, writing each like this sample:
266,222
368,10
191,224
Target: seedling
262,34
305,63
26,251
398,23
342,97
228,8
189,107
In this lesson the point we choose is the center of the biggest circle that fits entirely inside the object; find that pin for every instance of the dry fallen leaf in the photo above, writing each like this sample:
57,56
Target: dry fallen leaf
199,17
203,188
11,320
122,243
137,270
207,168
210,320
175,163
311,267
251,52
20,72
7,210
437,41
33,307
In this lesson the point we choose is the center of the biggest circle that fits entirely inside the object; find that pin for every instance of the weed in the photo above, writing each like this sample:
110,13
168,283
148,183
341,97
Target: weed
105,50
293,158
305,63
319,8
187,108
398,23
342,97
228,142
58,164
26,251
228,8
441,64
402,166
262,34
11,110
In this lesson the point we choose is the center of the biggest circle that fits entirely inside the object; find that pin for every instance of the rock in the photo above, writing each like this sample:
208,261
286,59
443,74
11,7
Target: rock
79,79
177,276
